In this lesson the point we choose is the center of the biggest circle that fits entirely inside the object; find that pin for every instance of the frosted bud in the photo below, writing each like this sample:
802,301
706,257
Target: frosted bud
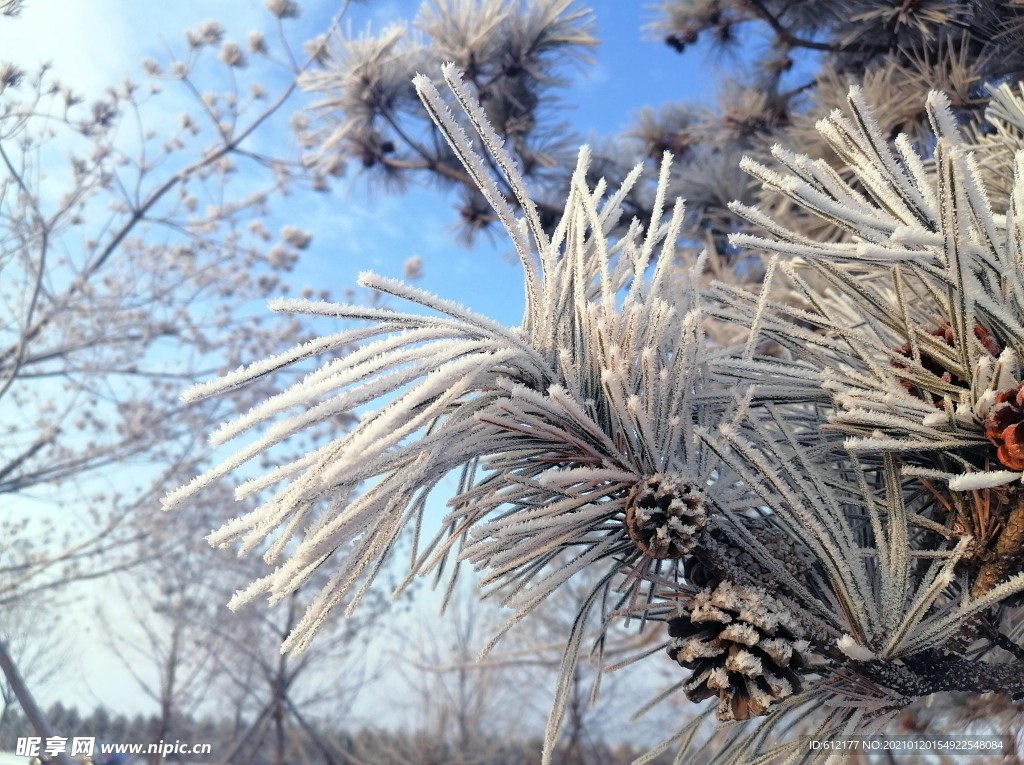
231,54
296,237
257,43
413,268
283,9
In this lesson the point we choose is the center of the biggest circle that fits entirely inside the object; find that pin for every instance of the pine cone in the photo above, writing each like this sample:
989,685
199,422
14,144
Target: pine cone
665,515
1002,427
742,646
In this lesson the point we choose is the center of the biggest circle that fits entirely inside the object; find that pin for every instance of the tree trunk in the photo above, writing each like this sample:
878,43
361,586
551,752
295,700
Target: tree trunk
25,699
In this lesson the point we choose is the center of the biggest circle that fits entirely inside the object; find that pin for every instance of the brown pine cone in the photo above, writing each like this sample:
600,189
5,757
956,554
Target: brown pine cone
742,646
665,515
1003,427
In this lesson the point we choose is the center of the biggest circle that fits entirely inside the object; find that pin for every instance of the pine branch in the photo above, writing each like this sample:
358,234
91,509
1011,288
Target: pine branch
798,42
936,672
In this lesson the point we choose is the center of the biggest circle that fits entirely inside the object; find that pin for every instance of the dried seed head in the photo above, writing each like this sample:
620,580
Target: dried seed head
665,515
742,646
283,9
231,54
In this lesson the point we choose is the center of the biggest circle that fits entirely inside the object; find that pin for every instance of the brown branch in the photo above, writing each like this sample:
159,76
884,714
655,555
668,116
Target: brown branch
1004,642
784,34
793,41
44,249
442,169
1008,551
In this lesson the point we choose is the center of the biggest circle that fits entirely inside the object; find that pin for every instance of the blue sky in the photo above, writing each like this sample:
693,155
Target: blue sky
373,231
94,43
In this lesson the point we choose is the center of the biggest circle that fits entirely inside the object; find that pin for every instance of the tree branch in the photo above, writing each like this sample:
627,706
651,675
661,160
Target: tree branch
935,672
28,703
798,42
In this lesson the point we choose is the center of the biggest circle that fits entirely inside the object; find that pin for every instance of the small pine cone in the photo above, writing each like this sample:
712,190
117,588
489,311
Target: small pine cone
1003,427
665,515
742,646
794,557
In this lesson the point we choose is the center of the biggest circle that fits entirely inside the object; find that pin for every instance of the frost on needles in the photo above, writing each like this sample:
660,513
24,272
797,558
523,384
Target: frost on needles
823,523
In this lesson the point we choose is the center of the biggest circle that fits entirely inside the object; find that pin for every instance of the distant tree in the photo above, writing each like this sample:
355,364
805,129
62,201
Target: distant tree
192,657
289,703
130,261
162,627
462,710
32,638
